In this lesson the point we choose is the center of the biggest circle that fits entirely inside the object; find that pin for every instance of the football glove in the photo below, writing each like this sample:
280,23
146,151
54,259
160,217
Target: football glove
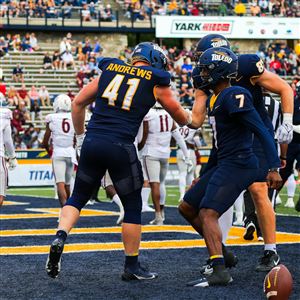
285,130
12,163
189,164
79,142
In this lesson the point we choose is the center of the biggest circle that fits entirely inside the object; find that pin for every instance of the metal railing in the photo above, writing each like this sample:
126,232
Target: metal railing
78,19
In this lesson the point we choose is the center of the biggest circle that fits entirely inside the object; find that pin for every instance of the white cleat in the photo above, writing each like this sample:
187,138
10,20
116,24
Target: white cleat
278,200
238,223
147,208
290,203
91,202
157,221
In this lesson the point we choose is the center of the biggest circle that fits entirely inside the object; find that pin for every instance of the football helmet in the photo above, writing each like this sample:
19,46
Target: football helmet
62,103
3,101
217,64
210,41
150,53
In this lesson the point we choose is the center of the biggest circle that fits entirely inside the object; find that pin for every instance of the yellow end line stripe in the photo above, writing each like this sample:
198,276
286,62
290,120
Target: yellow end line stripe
93,230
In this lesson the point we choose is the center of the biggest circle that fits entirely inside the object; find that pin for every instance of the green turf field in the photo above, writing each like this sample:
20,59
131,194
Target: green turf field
172,196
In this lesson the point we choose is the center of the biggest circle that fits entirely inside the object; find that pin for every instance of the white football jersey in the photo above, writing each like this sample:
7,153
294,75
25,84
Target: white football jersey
159,134
188,134
62,134
5,131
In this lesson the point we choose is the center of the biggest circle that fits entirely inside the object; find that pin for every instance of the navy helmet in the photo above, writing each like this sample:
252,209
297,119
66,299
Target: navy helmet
217,64
150,53
210,41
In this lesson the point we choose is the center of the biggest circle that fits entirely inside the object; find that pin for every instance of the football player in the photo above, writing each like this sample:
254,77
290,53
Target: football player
124,94
7,150
59,128
160,128
234,120
253,76
192,140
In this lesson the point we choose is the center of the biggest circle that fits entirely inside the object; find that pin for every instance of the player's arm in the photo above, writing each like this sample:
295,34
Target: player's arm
47,135
199,109
179,140
9,147
273,83
283,154
85,97
165,97
141,144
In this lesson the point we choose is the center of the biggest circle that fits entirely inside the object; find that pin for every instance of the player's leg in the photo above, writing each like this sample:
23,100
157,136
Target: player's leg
127,177
90,171
112,194
191,175
69,176
238,205
250,219
146,190
152,165
224,186
3,179
267,224
59,169
291,188
164,166
182,169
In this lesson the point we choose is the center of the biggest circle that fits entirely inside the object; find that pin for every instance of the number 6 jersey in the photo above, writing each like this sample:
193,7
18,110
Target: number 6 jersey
62,134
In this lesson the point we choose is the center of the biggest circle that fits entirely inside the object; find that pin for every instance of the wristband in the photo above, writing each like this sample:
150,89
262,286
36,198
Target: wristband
287,118
282,157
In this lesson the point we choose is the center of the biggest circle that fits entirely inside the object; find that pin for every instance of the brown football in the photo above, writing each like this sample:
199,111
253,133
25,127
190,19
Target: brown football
278,283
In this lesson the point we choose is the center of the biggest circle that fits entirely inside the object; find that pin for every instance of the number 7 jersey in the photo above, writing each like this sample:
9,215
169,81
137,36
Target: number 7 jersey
62,134
125,95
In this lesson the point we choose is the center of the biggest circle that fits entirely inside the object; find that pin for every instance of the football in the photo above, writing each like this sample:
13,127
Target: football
278,283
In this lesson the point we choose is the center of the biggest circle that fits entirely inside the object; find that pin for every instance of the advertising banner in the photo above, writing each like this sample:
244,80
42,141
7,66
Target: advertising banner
231,27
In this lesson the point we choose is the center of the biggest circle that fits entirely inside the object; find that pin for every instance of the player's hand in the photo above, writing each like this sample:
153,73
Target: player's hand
189,164
12,163
282,163
285,133
274,180
79,142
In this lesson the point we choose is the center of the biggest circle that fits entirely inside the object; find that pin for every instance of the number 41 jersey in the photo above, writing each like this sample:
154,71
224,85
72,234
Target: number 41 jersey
62,134
125,95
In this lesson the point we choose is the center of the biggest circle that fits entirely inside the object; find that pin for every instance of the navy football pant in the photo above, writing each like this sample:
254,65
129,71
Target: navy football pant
220,186
99,155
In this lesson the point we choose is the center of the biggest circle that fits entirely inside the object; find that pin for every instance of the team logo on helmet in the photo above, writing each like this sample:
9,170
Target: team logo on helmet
221,56
218,42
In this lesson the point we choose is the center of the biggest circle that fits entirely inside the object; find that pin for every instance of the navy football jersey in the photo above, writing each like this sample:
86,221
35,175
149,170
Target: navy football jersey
249,67
234,120
125,95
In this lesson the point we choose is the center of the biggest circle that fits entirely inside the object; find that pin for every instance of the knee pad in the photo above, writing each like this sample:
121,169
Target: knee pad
132,207
133,216
76,202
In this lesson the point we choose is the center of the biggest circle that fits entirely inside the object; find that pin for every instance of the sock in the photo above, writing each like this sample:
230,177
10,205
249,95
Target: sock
225,222
117,200
270,247
145,195
291,186
61,234
217,260
131,261
182,182
162,191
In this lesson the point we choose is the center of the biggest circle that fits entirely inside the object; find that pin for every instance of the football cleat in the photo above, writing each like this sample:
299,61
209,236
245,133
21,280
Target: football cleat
217,277
250,229
147,208
268,261
230,261
53,263
157,221
290,203
139,273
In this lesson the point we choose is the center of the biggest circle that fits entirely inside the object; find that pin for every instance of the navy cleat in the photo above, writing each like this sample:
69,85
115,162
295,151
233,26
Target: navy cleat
249,232
138,273
53,263
270,260
217,277
230,261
